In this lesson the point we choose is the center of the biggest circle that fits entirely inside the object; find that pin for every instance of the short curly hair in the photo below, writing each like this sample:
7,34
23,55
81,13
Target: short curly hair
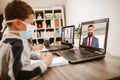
18,9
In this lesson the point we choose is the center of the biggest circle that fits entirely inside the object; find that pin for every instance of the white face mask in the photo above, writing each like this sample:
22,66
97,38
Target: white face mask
24,34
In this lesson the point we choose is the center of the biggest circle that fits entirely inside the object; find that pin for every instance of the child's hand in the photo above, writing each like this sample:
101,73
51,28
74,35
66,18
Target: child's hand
37,47
46,58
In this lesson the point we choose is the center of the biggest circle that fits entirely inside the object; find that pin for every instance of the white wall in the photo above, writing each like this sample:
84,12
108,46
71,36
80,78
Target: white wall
2,5
78,11
45,3
35,3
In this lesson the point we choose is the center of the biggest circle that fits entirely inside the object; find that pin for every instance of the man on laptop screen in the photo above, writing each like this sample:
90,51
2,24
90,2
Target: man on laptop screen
93,35
91,40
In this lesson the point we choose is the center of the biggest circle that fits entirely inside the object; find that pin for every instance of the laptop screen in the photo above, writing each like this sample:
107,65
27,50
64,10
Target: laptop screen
94,34
68,34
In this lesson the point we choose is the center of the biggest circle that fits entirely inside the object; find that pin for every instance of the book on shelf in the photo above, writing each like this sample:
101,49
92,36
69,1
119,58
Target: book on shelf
52,24
59,32
38,35
44,34
60,22
43,24
34,35
56,23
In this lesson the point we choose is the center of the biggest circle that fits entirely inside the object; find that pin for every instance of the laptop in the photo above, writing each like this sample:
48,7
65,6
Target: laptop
96,49
67,39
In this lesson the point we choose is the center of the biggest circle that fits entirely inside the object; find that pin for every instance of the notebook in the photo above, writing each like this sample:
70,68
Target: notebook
89,50
67,39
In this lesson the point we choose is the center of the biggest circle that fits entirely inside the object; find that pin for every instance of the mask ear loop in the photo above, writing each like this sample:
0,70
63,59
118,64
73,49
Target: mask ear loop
4,24
2,31
4,27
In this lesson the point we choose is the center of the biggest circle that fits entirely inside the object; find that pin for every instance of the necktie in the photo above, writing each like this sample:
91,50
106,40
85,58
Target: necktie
88,41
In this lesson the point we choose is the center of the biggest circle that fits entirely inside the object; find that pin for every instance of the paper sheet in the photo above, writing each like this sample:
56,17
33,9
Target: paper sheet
57,61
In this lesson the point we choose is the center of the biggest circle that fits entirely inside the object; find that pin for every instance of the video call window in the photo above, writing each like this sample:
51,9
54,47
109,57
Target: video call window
97,34
67,35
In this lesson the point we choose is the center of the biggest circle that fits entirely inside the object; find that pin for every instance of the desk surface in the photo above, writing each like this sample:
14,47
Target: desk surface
107,68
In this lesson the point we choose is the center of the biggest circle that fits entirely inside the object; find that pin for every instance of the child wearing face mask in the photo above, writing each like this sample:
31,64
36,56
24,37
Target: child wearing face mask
15,52
33,47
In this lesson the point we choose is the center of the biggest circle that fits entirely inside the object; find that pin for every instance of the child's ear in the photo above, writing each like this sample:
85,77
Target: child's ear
17,24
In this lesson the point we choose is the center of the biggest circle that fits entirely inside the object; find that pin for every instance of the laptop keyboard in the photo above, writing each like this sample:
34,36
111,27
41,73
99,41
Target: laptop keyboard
87,54
77,54
69,56
58,47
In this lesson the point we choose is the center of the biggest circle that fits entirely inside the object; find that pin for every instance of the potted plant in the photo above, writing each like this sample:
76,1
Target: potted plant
77,31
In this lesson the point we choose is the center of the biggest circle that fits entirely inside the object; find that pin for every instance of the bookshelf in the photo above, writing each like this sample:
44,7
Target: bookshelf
48,22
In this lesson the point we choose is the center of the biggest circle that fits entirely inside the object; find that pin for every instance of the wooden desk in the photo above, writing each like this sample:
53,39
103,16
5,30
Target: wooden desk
107,68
